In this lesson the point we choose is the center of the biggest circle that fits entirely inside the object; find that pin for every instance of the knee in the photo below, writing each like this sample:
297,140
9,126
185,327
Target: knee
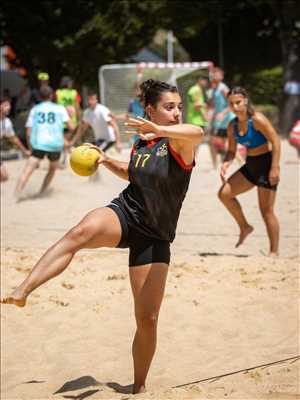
223,194
33,162
53,166
75,233
79,235
267,212
147,320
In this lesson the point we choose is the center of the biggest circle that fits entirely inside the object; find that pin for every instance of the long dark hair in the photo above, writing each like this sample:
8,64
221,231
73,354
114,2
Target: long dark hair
243,92
151,91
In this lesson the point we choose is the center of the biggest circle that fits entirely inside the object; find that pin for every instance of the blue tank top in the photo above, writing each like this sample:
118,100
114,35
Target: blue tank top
252,137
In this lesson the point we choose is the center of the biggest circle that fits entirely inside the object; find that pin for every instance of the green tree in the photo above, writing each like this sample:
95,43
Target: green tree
77,36
245,37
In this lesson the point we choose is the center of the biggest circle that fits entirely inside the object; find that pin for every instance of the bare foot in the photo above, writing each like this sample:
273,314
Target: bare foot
16,299
273,254
138,389
243,234
45,192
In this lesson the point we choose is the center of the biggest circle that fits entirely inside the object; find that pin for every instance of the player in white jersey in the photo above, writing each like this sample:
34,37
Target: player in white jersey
45,136
7,130
105,129
99,118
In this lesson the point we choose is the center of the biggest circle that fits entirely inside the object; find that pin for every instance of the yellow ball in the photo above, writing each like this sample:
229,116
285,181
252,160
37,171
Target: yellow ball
83,160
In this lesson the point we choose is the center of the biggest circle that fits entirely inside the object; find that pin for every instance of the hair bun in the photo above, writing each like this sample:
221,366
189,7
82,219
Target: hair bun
148,84
151,90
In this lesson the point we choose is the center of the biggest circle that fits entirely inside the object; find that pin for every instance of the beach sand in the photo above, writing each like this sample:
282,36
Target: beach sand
226,311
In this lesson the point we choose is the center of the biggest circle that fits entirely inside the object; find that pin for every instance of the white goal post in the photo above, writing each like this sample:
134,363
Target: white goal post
117,81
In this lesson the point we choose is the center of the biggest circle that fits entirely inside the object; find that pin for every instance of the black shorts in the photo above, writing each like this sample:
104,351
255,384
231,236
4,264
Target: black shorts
256,170
221,133
104,145
142,249
51,155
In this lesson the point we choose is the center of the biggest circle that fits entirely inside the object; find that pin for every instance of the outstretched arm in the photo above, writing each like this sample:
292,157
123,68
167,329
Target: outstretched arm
16,141
149,130
183,137
182,133
121,117
80,131
119,168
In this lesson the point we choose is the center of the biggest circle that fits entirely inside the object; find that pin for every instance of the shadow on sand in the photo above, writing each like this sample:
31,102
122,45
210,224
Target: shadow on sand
214,254
34,196
119,388
88,381
80,383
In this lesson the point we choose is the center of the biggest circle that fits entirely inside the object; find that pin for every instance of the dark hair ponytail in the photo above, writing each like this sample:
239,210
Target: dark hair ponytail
243,92
151,91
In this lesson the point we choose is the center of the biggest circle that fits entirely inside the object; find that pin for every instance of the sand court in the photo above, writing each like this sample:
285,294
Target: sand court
225,310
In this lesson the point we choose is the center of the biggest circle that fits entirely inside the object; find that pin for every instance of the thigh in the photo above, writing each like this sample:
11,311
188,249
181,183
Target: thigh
101,228
148,284
53,156
144,250
53,165
32,163
38,154
236,185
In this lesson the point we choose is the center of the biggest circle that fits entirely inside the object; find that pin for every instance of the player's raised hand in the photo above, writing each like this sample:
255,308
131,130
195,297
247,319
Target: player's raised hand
147,130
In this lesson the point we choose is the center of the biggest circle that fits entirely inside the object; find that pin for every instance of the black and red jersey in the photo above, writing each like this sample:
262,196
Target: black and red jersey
159,180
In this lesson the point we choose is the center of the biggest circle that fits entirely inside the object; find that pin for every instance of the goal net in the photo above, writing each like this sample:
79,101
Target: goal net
117,81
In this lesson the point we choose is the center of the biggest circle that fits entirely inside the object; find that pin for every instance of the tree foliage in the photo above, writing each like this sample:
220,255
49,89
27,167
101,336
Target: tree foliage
256,34
77,36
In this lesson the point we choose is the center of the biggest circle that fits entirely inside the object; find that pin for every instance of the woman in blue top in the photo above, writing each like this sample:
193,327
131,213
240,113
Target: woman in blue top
253,130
